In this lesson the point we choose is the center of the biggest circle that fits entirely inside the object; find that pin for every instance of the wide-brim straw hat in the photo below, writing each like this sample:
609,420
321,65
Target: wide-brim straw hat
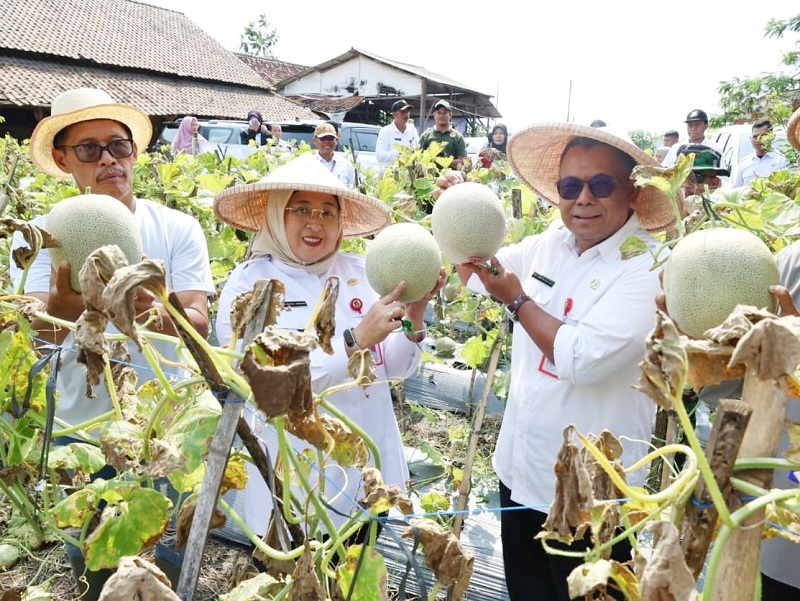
84,104
793,130
243,206
535,156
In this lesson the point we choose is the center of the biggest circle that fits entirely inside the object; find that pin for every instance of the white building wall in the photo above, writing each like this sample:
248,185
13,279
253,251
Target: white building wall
360,75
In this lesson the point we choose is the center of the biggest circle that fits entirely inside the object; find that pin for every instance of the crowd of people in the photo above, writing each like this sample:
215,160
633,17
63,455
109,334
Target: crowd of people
581,308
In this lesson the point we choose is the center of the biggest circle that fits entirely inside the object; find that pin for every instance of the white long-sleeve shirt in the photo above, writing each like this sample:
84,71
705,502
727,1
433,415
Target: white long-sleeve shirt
371,409
390,135
753,166
608,306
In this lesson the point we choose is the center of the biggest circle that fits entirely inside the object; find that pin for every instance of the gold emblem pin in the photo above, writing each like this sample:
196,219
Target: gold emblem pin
352,282
595,284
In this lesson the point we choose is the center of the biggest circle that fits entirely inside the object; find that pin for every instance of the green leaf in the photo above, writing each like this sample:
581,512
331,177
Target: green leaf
632,247
77,456
474,352
371,584
191,431
126,527
80,506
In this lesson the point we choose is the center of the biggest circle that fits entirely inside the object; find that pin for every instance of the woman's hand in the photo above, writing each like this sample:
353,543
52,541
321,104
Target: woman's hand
502,284
446,180
383,318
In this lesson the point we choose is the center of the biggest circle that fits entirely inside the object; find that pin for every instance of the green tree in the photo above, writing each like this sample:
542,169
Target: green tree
258,38
769,95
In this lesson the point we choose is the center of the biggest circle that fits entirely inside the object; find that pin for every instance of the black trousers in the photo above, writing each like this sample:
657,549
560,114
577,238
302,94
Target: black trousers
774,590
531,572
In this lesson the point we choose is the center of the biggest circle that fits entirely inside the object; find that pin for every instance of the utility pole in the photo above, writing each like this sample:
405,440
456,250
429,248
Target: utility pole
569,99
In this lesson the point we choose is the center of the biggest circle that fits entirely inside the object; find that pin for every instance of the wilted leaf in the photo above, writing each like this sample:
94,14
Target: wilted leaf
246,306
708,363
92,350
134,522
786,520
587,577
119,294
371,583
379,498
263,586
305,583
633,246
361,367
325,322
186,516
137,578
666,575
123,445
78,456
277,367
666,179
450,562
348,450
771,349
35,237
664,364
97,271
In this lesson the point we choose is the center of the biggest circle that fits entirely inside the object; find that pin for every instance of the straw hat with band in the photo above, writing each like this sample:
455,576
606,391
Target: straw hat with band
243,206
793,130
84,104
535,156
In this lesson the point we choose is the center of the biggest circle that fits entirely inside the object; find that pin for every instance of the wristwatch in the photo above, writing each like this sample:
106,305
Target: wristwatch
512,308
350,340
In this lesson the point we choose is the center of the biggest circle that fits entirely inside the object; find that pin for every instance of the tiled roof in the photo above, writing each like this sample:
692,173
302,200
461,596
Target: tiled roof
270,69
327,104
26,82
122,34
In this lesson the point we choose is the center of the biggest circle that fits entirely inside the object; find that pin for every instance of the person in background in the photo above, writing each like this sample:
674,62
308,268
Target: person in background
277,133
187,137
96,140
583,311
670,138
661,153
256,130
696,126
325,140
495,147
706,169
301,213
443,132
598,123
398,132
763,161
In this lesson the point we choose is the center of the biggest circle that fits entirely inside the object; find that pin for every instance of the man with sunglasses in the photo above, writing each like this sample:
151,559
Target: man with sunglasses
706,169
96,140
583,310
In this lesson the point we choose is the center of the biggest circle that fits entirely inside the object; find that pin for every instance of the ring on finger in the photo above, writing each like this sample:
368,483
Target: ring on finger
390,315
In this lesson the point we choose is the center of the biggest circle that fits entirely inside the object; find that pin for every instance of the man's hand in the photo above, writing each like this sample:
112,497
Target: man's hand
63,302
446,180
785,303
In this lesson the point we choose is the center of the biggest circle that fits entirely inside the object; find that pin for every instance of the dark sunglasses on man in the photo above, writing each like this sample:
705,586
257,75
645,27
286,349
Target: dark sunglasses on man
600,186
90,153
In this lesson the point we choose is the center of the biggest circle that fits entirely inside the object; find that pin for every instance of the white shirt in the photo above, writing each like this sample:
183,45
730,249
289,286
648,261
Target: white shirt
610,309
371,409
390,135
167,234
672,155
341,168
753,166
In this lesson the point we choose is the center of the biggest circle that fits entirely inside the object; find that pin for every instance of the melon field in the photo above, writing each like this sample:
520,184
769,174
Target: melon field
163,428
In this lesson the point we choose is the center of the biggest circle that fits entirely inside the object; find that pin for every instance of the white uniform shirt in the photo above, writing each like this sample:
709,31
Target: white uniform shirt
341,168
371,409
752,167
672,155
608,307
167,234
389,135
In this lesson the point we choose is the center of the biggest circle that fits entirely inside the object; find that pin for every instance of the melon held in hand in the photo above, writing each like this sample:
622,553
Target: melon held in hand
712,271
403,251
468,221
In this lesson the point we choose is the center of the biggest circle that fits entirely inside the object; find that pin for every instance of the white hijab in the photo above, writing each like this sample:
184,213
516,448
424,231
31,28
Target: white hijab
271,239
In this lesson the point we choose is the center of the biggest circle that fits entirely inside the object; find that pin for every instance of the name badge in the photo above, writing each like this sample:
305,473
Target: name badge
547,367
295,304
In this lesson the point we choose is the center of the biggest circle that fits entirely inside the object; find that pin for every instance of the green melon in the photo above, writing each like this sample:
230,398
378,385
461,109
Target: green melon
403,251
712,271
82,224
445,347
468,220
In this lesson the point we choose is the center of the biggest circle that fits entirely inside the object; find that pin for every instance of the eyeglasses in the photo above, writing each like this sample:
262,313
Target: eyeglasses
90,153
600,186
326,215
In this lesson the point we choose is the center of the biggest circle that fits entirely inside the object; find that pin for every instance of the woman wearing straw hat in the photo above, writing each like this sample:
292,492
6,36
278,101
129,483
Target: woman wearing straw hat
300,214
583,311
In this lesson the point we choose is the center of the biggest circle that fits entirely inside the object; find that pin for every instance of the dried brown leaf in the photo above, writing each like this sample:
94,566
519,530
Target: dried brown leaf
28,306
92,350
379,497
136,578
786,520
664,364
34,236
305,583
97,271
246,306
119,294
666,575
325,323
361,367
450,562
125,379
737,324
771,349
708,363
348,449
277,367
573,502
185,517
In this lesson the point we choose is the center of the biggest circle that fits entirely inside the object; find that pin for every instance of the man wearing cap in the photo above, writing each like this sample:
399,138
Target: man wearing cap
706,169
96,140
399,131
696,126
583,310
763,161
671,138
443,132
325,140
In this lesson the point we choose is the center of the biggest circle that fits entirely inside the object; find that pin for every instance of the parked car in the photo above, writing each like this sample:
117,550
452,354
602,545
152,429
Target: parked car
734,140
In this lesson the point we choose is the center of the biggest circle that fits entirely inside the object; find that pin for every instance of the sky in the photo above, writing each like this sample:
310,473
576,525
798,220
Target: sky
636,65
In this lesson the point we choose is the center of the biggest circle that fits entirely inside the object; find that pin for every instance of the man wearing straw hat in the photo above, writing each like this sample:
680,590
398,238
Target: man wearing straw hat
96,140
582,312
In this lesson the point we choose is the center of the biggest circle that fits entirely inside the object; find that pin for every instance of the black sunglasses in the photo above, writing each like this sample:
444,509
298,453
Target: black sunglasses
90,153
600,186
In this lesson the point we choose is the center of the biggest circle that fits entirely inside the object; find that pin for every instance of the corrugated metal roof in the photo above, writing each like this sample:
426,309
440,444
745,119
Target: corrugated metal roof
120,33
27,82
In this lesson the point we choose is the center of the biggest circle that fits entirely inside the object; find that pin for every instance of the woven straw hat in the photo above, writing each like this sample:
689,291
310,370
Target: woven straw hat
535,156
793,130
243,206
84,104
